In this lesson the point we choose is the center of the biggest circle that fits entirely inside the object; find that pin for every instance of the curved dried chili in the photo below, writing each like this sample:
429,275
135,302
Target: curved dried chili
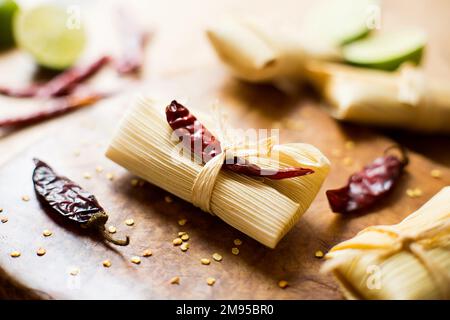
58,107
70,200
192,132
133,41
372,183
62,84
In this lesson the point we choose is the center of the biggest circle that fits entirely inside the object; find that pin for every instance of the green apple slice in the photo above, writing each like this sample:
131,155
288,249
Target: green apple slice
386,51
44,32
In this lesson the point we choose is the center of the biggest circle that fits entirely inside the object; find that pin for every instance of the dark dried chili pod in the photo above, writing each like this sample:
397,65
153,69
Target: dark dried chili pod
372,183
70,200
191,132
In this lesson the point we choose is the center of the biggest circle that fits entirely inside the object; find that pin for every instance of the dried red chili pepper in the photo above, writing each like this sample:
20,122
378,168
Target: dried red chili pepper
27,92
59,107
366,187
67,81
134,40
71,201
62,84
191,131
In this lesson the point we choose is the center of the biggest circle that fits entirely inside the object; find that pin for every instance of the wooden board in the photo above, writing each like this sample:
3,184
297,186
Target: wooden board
75,145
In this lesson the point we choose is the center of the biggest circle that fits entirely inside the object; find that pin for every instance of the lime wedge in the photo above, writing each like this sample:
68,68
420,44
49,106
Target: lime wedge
386,51
7,10
338,22
44,32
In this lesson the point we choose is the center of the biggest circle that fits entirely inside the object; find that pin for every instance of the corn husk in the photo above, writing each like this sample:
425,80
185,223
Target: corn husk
403,99
257,51
263,209
409,260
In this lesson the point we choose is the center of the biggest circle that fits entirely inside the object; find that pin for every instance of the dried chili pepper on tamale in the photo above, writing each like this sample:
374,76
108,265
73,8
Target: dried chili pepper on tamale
372,183
71,201
191,131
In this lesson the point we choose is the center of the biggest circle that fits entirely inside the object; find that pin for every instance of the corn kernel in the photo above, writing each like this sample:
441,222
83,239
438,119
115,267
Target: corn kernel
283,284
217,257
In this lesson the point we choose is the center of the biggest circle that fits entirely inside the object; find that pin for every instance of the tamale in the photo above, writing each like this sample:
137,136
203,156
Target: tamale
256,52
409,260
276,47
263,209
403,99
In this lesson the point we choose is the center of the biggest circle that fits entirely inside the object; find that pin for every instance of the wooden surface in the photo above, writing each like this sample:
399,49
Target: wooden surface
181,64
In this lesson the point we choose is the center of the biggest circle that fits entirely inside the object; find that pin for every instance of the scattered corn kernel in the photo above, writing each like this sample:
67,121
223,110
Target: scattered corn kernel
41,251
283,284
276,124
436,173
4,220
293,124
182,222
205,261
110,176
210,281
414,193
25,198
147,253
74,272
177,241
106,263
129,222
185,237
168,199
15,254
184,246
181,233
136,260
134,182
217,257
47,233
99,169
336,152
347,161
235,251
175,280
319,254
237,242
349,145
112,229
87,175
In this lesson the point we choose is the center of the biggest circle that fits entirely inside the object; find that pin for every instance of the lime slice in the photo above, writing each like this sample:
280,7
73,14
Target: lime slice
44,32
7,10
386,51
338,22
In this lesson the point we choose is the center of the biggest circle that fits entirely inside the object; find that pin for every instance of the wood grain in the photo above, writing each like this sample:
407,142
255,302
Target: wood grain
180,64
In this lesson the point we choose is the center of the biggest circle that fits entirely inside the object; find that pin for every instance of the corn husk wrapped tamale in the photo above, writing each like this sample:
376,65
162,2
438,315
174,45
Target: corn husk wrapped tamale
277,45
409,260
403,99
261,208
256,51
